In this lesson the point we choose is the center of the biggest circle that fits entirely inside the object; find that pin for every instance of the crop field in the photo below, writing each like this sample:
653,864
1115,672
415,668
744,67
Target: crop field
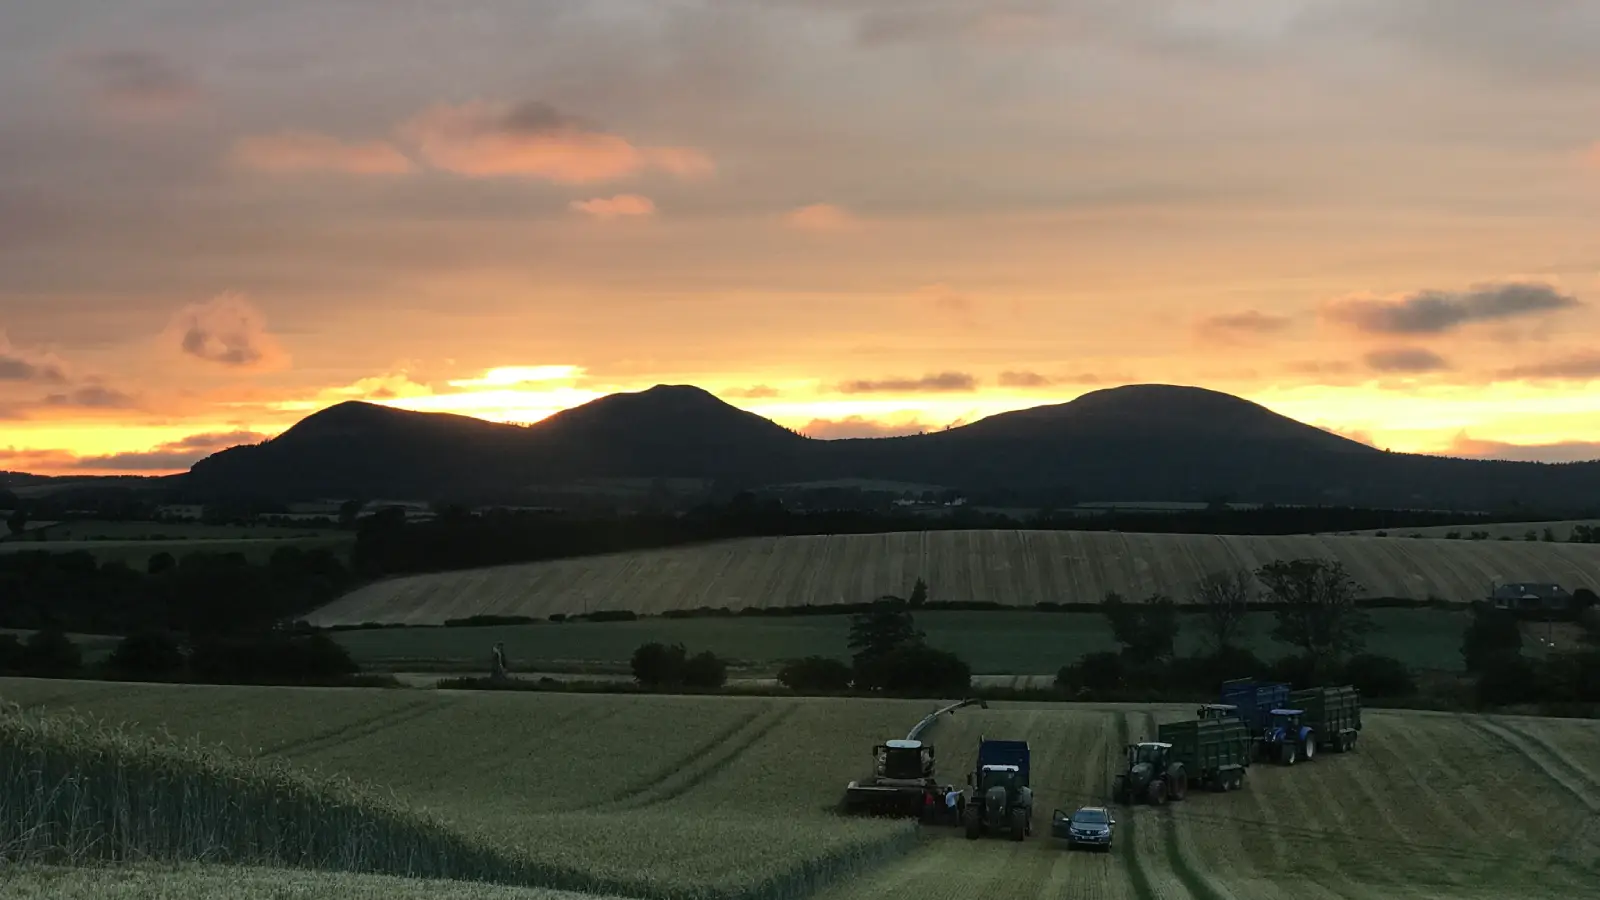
725,791
993,642
1018,568
213,882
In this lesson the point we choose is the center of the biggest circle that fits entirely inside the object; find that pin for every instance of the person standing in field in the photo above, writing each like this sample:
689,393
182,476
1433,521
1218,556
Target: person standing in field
499,666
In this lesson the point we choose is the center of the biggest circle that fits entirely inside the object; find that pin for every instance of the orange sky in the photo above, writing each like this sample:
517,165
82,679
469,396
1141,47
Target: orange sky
852,217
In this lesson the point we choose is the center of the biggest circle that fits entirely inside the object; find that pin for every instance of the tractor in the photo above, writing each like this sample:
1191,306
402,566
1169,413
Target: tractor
1152,776
1001,794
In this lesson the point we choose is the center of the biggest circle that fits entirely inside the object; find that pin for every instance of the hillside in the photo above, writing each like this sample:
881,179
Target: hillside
1157,442
1016,568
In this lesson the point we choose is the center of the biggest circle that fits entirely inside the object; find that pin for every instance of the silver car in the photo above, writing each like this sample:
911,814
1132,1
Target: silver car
1090,826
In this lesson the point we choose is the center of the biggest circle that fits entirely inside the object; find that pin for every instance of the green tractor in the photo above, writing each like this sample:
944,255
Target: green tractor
1152,776
1002,798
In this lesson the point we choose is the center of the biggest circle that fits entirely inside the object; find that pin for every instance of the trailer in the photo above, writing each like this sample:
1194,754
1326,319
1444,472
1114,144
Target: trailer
1207,752
1331,714
1272,719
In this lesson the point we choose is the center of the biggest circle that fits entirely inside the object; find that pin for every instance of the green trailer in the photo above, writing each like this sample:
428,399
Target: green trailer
1210,753
1332,713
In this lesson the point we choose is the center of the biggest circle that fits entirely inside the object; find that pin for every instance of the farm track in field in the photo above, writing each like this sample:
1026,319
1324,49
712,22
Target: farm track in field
353,730
706,763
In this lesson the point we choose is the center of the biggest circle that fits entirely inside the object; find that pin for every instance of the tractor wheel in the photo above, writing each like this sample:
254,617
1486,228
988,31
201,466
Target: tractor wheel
1288,753
970,819
1157,794
1177,785
1119,789
1238,780
1309,748
1019,824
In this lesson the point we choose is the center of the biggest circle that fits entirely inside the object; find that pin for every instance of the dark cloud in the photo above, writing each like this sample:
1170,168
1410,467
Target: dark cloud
15,368
1563,451
141,81
172,456
91,397
1406,360
1250,323
539,117
1024,379
1582,367
1320,367
860,427
941,382
1436,312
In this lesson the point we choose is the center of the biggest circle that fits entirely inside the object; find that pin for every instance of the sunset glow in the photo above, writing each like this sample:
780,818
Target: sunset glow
855,219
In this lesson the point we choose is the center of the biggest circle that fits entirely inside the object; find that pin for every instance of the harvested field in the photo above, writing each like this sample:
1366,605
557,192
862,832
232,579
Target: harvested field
1430,805
1015,568
993,642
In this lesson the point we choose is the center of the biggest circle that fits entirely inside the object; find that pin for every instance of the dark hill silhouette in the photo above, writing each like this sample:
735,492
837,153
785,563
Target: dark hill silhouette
1137,442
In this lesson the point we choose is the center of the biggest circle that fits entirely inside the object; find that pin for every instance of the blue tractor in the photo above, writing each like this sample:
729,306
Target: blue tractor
1275,725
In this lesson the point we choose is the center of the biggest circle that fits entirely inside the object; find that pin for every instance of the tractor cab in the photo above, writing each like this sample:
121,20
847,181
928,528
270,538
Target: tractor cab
998,776
1217,711
909,760
1288,720
1149,753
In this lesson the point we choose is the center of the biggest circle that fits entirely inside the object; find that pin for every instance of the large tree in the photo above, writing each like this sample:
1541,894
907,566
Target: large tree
1146,629
1318,611
1224,598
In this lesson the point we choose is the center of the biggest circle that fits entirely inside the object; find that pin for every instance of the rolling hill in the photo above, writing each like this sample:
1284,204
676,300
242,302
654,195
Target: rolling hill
1015,568
1137,441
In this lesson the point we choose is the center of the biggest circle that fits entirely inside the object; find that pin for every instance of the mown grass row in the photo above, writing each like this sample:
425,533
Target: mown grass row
75,792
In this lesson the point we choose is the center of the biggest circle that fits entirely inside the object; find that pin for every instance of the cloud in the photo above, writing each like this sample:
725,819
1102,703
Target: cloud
1024,379
1437,312
756,392
1355,434
91,397
229,331
618,206
1580,367
293,152
1563,451
1230,327
172,456
821,217
861,427
15,366
535,140
141,83
1405,359
937,383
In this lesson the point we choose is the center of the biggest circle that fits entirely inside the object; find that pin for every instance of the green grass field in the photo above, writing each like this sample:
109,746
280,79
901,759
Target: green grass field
992,641
695,792
256,544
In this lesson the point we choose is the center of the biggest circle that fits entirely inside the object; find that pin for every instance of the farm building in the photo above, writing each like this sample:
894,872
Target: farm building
1526,596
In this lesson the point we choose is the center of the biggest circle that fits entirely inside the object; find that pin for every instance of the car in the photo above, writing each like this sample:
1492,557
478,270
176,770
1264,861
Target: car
1090,826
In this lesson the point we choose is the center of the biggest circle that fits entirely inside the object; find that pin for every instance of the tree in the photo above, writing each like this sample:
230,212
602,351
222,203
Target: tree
1224,599
887,625
705,670
1146,630
919,594
51,652
161,562
1319,613
1493,634
17,522
659,665
147,653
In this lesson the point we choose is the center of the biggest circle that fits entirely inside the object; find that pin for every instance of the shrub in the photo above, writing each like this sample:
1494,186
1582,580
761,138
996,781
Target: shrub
705,670
815,673
1492,633
1508,679
919,668
50,652
1298,671
147,653
1208,672
1379,676
12,654
656,664
271,657
1093,672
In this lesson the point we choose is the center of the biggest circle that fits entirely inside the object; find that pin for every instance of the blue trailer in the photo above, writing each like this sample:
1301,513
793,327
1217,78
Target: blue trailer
1274,723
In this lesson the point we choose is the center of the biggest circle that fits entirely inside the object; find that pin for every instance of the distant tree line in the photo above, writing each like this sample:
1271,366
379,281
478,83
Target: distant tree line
201,593
386,544
272,657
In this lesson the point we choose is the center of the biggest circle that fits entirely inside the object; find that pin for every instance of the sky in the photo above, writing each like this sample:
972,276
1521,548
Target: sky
1381,217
